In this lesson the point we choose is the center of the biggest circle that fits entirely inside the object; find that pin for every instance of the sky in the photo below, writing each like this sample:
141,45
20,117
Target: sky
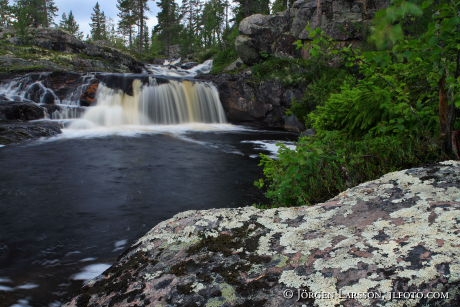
82,10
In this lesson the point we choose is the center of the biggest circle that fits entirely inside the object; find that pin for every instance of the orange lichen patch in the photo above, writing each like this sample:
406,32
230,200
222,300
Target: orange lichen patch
425,255
328,204
440,242
360,253
403,239
398,221
295,261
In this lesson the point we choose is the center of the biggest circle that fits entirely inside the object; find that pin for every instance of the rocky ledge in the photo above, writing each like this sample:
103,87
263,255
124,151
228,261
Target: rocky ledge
20,131
389,242
24,120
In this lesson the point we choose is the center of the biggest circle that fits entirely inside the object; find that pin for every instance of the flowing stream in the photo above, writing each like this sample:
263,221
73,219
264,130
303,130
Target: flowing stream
71,204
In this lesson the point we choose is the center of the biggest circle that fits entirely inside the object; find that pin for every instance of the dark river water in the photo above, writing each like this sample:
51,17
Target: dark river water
70,206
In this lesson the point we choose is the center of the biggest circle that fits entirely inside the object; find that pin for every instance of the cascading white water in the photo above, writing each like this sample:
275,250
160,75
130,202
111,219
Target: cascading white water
173,102
168,95
182,102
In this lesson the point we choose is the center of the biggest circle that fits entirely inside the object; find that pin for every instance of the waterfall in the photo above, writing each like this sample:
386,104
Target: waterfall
166,95
165,103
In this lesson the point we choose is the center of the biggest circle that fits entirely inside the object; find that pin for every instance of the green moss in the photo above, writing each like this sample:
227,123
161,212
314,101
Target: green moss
291,72
228,297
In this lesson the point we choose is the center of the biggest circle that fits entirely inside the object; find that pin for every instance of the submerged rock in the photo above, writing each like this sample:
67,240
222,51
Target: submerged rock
388,242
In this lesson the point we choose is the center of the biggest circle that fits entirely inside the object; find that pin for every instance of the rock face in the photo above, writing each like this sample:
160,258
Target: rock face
343,20
13,110
261,104
389,242
19,131
50,49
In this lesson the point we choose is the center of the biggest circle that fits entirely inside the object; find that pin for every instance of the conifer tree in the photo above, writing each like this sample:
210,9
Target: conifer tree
69,24
34,13
98,24
133,13
281,5
141,8
213,22
246,8
5,13
127,20
168,28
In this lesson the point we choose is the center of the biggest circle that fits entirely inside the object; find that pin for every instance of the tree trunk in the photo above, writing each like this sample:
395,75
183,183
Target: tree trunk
447,116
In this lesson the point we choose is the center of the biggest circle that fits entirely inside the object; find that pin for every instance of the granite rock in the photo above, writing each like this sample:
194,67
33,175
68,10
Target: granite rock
393,241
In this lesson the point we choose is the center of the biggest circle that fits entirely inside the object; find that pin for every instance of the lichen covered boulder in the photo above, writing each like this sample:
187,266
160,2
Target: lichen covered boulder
389,242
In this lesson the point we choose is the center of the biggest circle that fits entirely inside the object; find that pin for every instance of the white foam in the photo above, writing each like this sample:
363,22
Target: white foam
168,69
88,259
5,288
138,130
271,146
21,303
91,271
119,245
2,145
72,253
6,280
27,286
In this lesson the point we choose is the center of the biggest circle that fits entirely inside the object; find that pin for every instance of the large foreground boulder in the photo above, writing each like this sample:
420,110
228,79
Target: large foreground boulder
389,242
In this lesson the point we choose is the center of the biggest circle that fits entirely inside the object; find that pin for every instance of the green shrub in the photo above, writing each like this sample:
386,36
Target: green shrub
322,166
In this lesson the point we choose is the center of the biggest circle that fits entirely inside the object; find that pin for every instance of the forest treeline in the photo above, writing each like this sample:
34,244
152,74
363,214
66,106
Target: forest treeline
186,28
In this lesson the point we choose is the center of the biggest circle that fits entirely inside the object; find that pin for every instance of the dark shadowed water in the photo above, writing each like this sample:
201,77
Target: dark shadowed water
71,206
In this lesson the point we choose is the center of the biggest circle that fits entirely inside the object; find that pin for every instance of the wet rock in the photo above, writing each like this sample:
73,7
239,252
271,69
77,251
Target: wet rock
261,104
88,97
19,131
18,110
388,242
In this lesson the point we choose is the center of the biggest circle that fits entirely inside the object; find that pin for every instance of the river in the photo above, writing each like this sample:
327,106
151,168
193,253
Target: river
70,205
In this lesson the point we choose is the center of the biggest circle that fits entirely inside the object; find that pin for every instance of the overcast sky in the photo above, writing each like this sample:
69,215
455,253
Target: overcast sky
82,10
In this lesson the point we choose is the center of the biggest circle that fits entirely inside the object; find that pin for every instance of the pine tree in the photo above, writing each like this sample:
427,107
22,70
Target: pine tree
127,20
250,7
50,12
190,15
5,13
35,13
133,13
141,8
69,24
168,28
98,24
281,5
213,22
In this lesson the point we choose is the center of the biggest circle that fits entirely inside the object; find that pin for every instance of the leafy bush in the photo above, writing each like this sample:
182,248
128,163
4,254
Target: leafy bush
292,72
323,165
378,114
